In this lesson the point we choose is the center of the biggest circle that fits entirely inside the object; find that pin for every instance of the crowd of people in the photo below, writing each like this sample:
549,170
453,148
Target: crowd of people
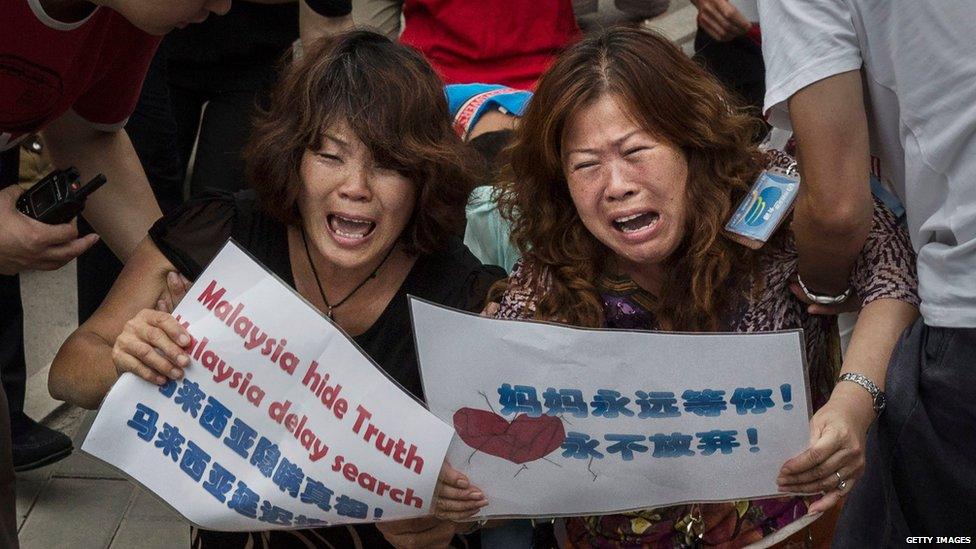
496,158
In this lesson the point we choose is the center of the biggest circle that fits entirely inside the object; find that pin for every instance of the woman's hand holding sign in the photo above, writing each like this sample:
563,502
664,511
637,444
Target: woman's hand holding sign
834,461
456,498
151,347
150,344
835,458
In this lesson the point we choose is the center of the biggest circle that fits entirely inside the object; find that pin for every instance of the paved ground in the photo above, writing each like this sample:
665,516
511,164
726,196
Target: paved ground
80,502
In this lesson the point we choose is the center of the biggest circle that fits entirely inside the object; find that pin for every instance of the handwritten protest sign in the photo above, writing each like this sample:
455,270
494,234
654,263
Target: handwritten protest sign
553,420
280,421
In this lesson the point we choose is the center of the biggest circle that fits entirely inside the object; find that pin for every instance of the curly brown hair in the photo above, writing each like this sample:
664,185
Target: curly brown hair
672,97
394,102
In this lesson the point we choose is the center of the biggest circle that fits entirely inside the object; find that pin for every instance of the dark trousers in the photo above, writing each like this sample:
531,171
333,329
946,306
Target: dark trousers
920,478
164,129
170,118
13,371
13,366
738,64
8,501
225,124
97,270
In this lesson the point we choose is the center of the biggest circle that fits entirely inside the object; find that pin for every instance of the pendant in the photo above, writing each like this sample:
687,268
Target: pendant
694,528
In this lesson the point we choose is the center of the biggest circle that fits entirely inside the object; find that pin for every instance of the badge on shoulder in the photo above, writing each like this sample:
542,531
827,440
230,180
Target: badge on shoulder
763,209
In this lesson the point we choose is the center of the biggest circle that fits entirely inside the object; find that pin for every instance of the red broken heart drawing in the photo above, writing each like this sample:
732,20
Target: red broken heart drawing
524,439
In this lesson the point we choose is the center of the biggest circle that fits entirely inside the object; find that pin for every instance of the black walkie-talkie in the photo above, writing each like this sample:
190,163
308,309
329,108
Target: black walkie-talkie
59,197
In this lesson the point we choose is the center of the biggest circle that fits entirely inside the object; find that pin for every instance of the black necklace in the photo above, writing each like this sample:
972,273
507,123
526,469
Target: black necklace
329,306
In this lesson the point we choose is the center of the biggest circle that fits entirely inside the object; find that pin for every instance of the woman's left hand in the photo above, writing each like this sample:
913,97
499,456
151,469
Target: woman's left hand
456,499
835,458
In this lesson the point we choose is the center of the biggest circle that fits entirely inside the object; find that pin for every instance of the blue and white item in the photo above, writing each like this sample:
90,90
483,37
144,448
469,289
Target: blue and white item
467,102
764,208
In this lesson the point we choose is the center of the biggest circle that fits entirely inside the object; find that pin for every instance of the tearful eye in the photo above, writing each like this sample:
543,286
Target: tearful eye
329,157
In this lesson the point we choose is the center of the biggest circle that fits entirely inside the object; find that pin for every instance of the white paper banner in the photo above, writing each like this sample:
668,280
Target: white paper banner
281,421
553,420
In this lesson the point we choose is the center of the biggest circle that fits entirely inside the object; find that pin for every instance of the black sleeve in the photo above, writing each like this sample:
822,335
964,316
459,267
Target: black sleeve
475,281
330,8
478,284
453,277
193,234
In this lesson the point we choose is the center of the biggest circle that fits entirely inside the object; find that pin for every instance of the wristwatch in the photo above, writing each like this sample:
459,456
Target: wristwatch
877,395
822,299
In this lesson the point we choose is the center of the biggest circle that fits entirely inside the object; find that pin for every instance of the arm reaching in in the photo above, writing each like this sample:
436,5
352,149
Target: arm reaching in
331,18
124,209
720,19
884,280
124,334
838,430
832,218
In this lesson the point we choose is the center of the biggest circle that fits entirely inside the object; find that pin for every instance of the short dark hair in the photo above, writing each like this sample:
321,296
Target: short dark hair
394,102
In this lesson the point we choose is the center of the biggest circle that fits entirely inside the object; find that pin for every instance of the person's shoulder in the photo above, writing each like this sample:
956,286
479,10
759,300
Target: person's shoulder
214,205
453,276
455,257
119,24
245,202
803,43
115,38
191,234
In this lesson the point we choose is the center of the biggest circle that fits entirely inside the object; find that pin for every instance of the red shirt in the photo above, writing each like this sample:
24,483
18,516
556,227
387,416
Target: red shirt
94,67
509,42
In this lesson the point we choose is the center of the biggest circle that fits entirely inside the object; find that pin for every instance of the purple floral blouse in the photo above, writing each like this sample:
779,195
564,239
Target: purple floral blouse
885,270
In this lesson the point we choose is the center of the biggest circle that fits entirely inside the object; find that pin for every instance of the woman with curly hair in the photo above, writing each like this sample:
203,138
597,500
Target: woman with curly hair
625,168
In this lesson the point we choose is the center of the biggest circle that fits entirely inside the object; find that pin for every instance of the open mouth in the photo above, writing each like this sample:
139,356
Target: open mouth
348,227
636,222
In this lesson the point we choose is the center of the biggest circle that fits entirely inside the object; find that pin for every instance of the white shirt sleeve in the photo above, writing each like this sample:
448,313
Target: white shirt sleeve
803,41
